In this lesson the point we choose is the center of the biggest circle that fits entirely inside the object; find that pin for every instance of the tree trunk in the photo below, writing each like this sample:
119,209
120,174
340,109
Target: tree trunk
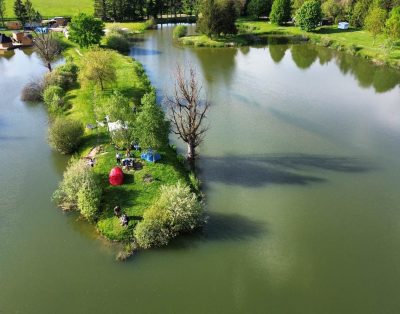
49,66
191,156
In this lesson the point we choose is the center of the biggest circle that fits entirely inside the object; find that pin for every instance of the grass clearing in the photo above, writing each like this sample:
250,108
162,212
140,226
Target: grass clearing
55,8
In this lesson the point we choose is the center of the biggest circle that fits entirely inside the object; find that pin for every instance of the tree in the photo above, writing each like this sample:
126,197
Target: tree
151,128
31,14
98,67
188,111
375,21
65,135
392,27
2,11
333,9
47,47
85,30
258,8
100,9
309,15
280,12
20,11
207,23
360,10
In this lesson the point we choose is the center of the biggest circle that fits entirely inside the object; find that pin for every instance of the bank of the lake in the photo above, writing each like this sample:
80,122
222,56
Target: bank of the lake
354,41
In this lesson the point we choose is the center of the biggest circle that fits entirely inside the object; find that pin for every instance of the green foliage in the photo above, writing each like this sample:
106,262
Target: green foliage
176,211
85,30
360,11
117,41
180,31
309,15
257,8
280,12
375,21
392,27
98,67
53,97
218,17
20,11
79,189
334,10
65,135
89,197
151,128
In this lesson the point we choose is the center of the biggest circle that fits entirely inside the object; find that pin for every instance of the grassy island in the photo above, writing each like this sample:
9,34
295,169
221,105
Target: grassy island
355,41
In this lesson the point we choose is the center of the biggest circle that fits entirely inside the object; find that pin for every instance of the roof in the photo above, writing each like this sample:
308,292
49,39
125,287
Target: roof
5,39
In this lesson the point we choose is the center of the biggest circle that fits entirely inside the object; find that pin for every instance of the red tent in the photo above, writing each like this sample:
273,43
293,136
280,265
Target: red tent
116,176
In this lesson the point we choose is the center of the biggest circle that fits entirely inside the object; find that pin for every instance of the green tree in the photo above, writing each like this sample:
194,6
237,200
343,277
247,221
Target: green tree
258,8
309,15
89,197
280,12
2,11
207,23
360,11
392,27
151,128
98,67
85,30
334,10
375,21
65,135
20,11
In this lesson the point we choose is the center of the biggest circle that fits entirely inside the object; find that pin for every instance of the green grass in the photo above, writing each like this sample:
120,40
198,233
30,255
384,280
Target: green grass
134,196
55,7
134,27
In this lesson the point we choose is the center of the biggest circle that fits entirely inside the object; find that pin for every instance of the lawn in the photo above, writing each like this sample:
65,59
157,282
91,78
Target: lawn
55,8
135,195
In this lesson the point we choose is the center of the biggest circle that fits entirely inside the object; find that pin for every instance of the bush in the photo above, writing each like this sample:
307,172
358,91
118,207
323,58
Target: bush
65,135
280,12
309,15
53,97
88,198
176,211
79,189
180,31
32,91
117,42
150,23
64,76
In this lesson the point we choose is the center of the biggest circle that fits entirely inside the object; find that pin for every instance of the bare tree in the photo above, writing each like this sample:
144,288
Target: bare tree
188,110
47,47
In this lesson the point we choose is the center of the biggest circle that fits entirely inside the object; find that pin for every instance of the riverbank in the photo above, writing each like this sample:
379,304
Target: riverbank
353,41
141,186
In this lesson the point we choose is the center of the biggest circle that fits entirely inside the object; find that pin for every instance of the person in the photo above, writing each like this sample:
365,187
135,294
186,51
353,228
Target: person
118,157
117,211
91,162
124,220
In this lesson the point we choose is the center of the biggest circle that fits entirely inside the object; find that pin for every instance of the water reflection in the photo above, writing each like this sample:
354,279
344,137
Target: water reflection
277,49
304,55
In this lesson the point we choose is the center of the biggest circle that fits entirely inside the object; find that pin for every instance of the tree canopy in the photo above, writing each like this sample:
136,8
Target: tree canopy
280,12
85,30
309,15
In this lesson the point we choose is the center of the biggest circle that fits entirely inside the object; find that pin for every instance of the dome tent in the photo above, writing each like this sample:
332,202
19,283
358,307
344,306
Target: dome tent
150,156
116,176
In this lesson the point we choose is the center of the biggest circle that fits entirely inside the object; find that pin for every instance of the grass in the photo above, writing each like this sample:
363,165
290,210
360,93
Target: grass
133,27
55,8
355,41
134,196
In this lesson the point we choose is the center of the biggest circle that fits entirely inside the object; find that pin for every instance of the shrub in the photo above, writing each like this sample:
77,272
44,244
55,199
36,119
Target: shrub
392,27
79,189
88,198
32,91
176,211
53,97
64,76
375,21
180,31
309,15
150,23
65,135
280,12
117,42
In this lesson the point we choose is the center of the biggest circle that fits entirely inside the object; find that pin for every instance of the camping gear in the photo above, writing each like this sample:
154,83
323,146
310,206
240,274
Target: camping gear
150,156
343,25
116,176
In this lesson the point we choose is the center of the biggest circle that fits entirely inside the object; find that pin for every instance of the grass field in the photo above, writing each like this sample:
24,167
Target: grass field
55,7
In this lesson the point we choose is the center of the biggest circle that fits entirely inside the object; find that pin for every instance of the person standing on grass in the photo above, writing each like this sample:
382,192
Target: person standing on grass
118,157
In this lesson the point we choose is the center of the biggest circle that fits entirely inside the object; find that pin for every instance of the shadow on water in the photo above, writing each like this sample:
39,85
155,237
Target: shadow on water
253,171
144,52
222,227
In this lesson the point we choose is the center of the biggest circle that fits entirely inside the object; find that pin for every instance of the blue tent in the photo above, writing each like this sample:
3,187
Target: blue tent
41,30
151,156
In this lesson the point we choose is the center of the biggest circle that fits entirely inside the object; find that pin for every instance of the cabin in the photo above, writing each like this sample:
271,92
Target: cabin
56,22
5,42
343,25
23,38
14,25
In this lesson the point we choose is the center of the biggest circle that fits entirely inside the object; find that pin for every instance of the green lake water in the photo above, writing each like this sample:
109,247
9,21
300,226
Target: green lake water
300,167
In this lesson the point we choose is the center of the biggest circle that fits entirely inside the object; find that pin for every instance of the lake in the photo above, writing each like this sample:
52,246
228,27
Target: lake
301,172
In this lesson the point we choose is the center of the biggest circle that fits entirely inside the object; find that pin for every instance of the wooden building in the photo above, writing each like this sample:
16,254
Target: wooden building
23,38
5,42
